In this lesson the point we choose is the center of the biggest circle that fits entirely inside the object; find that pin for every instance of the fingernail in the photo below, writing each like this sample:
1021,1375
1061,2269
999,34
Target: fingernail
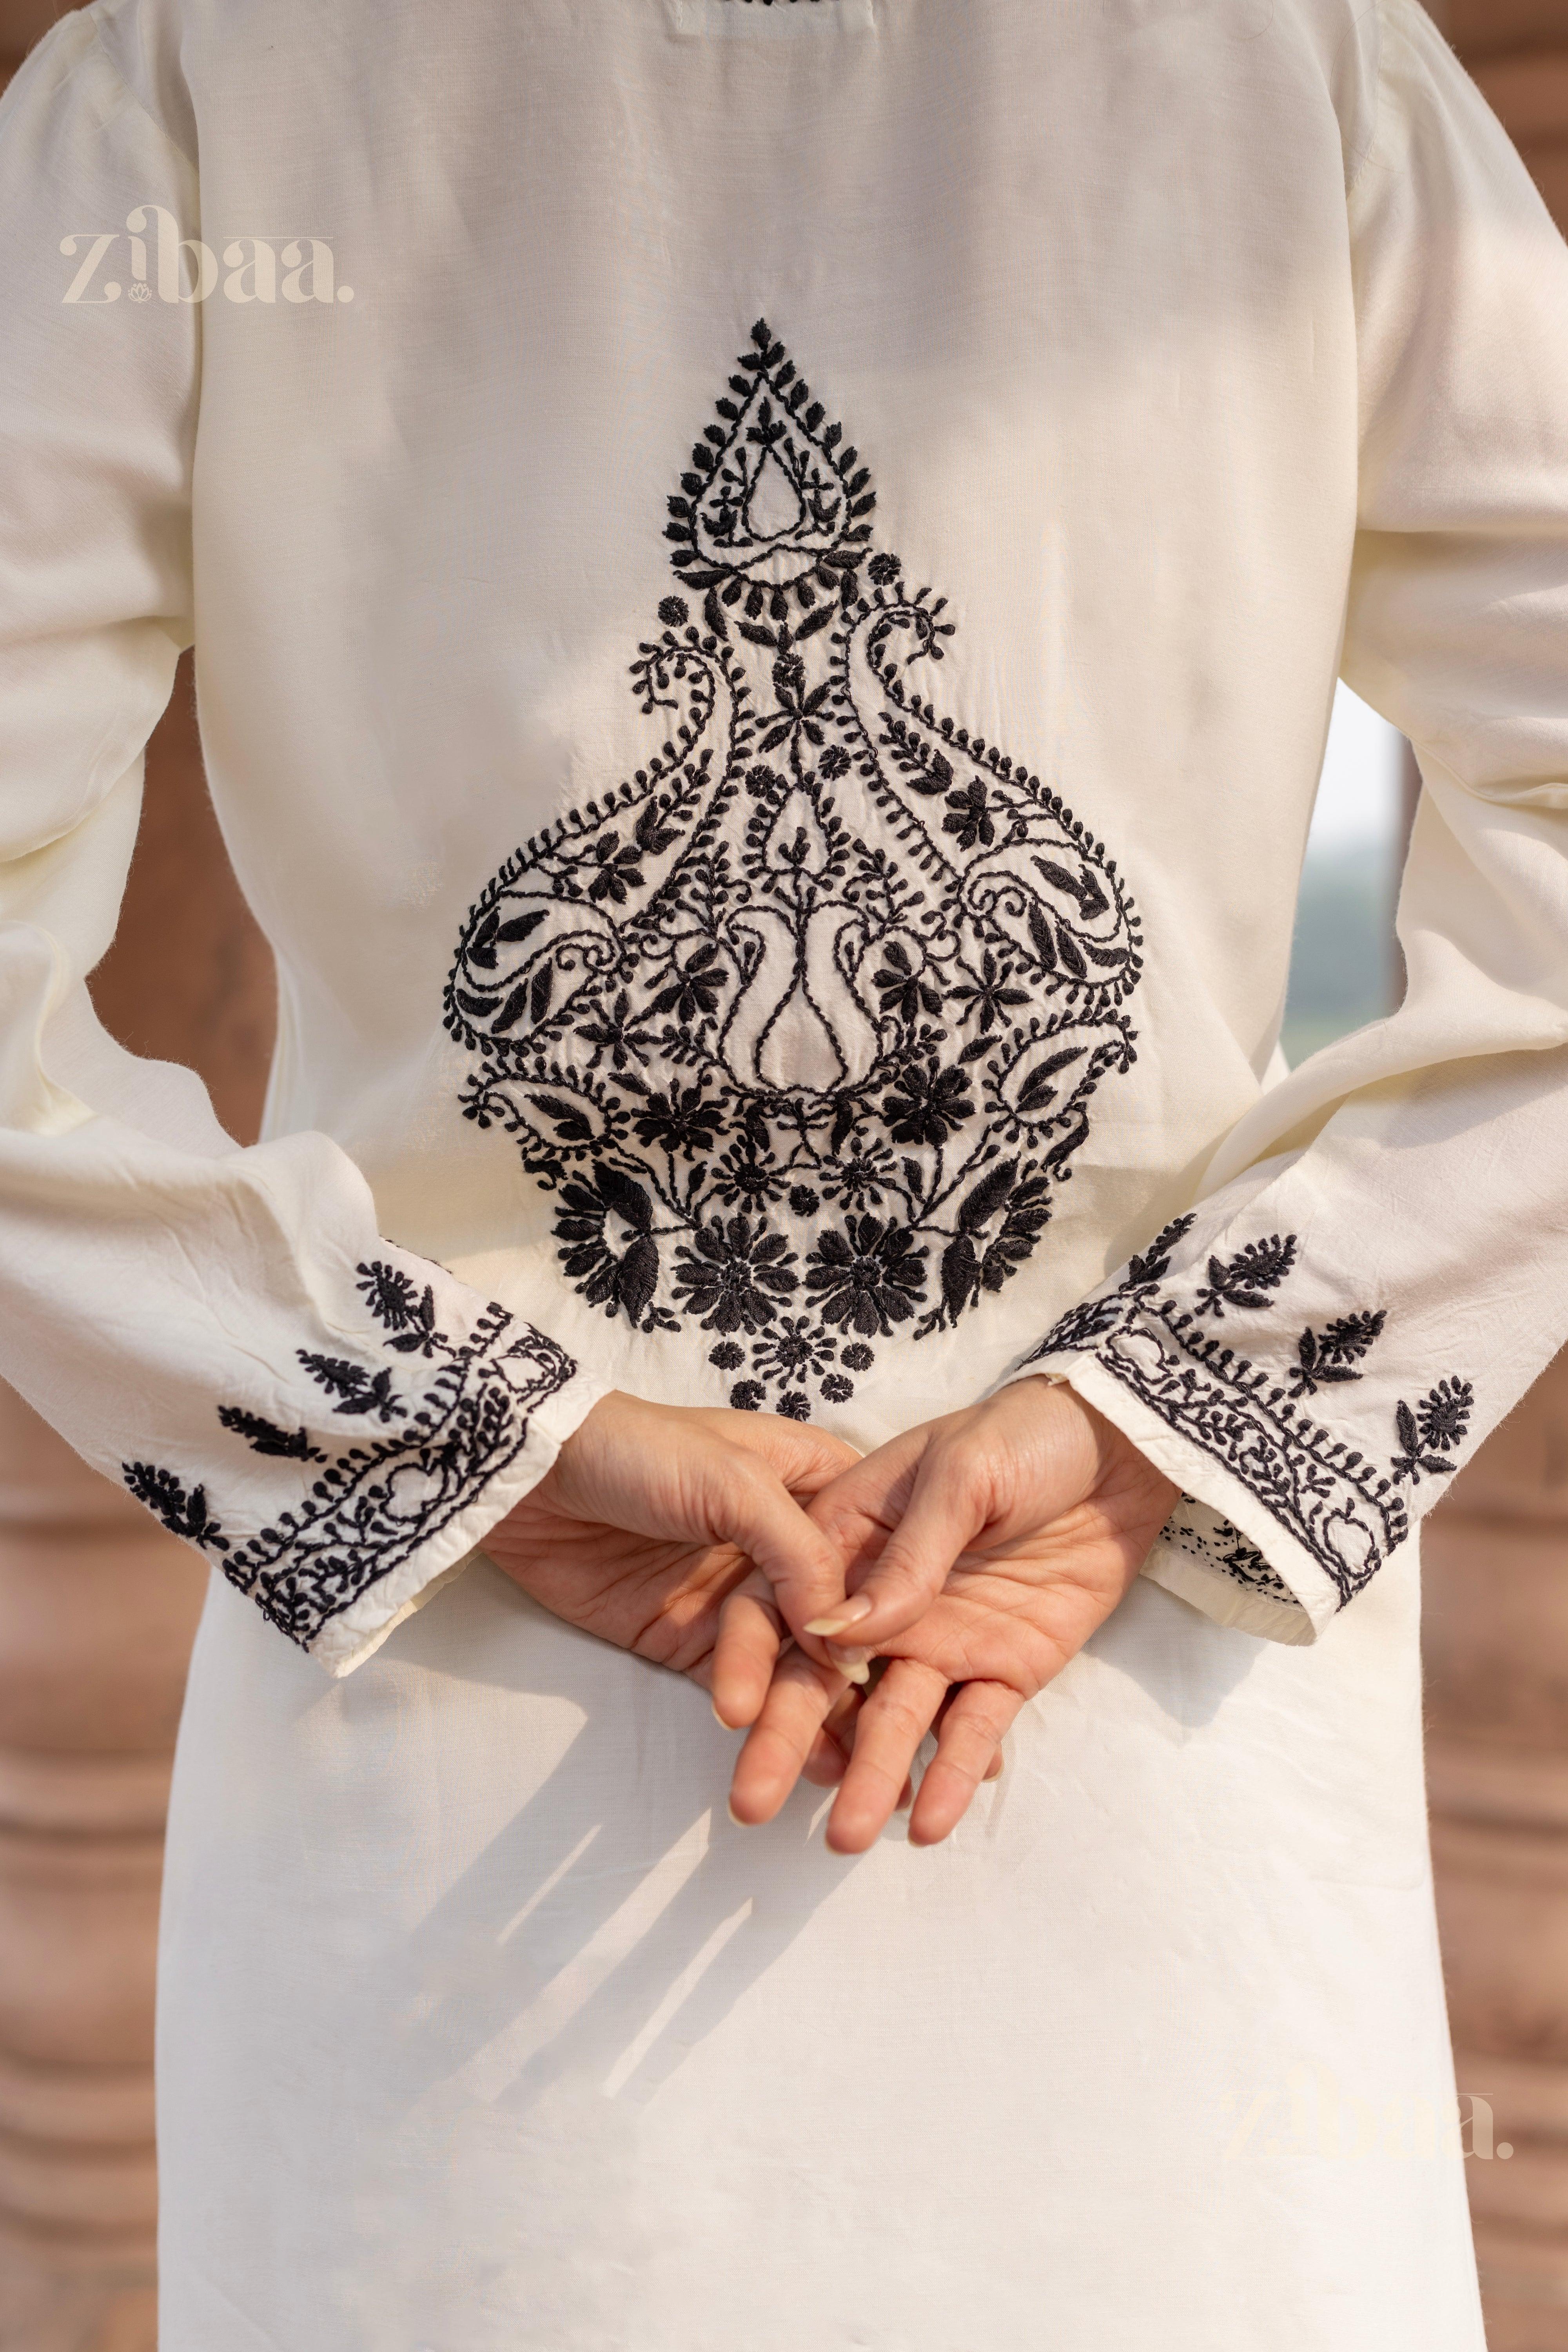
860,1673
717,1717
734,1816
845,1659
840,1622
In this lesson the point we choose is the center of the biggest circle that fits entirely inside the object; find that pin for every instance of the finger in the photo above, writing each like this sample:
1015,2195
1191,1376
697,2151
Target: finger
943,1517
893,1721
751,1633
968,1752
781,1738
805,1570
804,1457
829,1757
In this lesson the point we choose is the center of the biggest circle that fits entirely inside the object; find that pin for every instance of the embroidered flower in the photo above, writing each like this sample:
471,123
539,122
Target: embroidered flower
928,1104
614,869
989,998
904,991
747,1178
695,990
864,1174
356,1390
680,1121
795,1350
868,1277
734,1273
1437,1425
621,1030
971,822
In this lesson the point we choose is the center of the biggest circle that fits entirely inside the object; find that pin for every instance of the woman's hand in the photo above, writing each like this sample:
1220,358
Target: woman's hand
1014,1529
654,1514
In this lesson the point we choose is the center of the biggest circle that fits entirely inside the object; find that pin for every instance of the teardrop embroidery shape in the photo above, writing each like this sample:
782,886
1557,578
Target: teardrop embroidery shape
800,1023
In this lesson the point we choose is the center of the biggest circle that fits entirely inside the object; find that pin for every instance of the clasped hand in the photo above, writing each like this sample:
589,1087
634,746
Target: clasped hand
972,1557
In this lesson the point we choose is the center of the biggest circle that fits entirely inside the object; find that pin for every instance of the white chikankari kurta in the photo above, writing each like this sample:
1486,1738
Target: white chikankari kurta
767,583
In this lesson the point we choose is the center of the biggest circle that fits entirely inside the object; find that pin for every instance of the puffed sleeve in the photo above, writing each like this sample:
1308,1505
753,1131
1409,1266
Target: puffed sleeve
334,1422
1375,1264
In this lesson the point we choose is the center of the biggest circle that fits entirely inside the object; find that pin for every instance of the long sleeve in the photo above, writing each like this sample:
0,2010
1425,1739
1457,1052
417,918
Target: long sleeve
1375,1265
334,1422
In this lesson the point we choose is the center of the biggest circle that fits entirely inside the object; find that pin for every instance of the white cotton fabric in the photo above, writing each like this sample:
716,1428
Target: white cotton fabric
1192,353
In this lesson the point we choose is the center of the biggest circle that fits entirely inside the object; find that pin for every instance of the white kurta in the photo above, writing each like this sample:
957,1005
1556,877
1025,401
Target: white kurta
767,583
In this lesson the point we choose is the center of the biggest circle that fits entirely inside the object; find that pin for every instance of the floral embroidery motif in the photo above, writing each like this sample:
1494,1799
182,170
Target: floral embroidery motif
372,1506
1435,1427
800,1025
1326,1495
1246,1279
1331,1355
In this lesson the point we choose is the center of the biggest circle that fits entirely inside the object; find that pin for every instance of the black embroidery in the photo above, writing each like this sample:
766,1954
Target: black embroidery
1435,1427
1155,1262
1327,1495
1202,1534
1246,1279
801,1024
374,1505
1320,1489
264,1437
1333,1354
182,1514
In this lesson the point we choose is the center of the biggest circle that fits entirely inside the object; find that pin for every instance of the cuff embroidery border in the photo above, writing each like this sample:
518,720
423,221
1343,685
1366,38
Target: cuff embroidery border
371,1507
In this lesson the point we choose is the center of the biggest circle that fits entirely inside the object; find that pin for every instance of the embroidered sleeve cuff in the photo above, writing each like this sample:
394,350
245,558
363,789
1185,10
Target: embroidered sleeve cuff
1301,1445
338,1491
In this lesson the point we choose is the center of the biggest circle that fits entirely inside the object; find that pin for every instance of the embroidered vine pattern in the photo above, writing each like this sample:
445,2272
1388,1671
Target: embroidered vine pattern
1336,1503
801,1023
373,1505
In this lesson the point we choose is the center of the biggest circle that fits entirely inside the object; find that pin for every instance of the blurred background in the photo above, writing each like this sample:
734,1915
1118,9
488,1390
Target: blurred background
98,1605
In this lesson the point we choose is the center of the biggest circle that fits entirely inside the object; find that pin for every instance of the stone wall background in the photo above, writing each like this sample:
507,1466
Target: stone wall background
98,1607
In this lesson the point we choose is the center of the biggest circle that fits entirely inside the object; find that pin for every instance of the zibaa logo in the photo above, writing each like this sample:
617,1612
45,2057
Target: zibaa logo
184,269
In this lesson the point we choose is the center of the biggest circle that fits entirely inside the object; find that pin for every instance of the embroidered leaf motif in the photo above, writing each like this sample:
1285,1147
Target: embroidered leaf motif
1155,1263
1246,1279
1436,1428
357,1391
1331,1355
264,1437
182,1514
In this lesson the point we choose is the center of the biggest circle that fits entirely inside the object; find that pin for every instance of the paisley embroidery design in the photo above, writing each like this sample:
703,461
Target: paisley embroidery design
1324,1492
800,1023
370,1506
